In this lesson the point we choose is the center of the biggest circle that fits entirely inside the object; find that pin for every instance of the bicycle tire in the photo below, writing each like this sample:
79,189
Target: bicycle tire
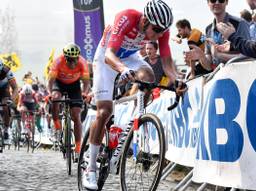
68,145
82,163
145,162
15,124
32,136
28,141
1,139
104,164
18,133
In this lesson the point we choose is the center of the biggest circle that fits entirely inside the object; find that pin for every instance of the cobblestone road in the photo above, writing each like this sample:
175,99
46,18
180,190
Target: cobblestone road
45,170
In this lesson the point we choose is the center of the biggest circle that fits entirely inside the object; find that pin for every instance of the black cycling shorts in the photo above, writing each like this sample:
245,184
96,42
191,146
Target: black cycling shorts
73,90
4,92
30,106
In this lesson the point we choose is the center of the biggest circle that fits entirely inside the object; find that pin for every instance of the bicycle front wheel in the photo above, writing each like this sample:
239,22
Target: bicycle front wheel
68,145
142,160
32,137
1,139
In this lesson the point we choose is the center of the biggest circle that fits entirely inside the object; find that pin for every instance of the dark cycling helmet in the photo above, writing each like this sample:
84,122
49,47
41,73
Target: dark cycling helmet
35,87
158,13
1,65
71,50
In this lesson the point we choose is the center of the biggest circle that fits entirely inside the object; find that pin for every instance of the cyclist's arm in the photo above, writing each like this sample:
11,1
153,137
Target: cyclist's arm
20,102
14,87
113,61
86,87
123,24
168,67
50,83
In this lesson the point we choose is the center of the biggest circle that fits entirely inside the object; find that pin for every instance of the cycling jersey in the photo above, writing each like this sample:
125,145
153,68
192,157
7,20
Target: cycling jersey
125,36
31,98
6,75
66,75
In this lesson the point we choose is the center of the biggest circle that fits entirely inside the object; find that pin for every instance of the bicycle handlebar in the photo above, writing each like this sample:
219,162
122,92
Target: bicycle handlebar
8,103
149,85
67,100
175,104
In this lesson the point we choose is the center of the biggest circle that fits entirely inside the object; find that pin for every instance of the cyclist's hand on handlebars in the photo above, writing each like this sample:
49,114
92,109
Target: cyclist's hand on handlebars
127,75
180,87
9,102
87,97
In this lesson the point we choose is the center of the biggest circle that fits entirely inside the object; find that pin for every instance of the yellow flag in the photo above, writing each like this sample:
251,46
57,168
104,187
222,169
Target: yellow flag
49,64
11,60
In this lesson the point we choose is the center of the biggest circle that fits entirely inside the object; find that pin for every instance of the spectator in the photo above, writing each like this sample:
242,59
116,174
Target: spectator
142,52
28,78
194,37
252,4
154,60
246,15
246,47
213,56
253,27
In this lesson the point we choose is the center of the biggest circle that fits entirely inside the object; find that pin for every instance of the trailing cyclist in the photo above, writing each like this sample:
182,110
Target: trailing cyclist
8,91
66,74
117,53
27,103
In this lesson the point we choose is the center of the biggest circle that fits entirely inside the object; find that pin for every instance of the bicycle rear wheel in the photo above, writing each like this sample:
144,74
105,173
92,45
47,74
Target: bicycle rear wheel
141,167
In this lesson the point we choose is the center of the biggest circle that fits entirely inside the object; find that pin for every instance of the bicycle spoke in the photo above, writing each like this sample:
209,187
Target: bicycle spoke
143,172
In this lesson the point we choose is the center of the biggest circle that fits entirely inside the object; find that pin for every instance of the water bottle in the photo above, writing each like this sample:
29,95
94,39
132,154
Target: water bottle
114,134
117,153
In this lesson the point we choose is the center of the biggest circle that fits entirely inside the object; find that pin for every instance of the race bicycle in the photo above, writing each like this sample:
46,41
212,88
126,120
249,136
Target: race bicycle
67,142
139,160
29,129
2,143
16,130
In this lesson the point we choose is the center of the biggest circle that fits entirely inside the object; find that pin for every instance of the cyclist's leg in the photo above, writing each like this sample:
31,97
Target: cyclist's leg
74,92
56,94
104,77
6,117
75,115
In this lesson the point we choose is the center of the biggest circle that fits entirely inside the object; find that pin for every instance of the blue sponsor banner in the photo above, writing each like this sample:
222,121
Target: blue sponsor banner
89,26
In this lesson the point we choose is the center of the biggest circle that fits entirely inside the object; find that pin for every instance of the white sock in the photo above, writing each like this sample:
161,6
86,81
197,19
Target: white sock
94,150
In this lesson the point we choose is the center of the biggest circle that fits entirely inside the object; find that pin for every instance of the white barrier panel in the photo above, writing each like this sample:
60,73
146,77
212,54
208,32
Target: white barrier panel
183,126
214,129
227,139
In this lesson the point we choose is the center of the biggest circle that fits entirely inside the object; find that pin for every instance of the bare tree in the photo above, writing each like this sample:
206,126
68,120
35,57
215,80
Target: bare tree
8,33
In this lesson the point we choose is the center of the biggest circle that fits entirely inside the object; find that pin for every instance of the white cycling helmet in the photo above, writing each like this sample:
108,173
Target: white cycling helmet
1,65
158,13
27,89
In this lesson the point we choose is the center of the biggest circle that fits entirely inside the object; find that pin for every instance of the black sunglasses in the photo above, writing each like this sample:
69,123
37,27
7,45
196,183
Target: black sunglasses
220,1
158,29
70,59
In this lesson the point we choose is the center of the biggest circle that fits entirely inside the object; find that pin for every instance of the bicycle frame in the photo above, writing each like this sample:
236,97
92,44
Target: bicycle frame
67,130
